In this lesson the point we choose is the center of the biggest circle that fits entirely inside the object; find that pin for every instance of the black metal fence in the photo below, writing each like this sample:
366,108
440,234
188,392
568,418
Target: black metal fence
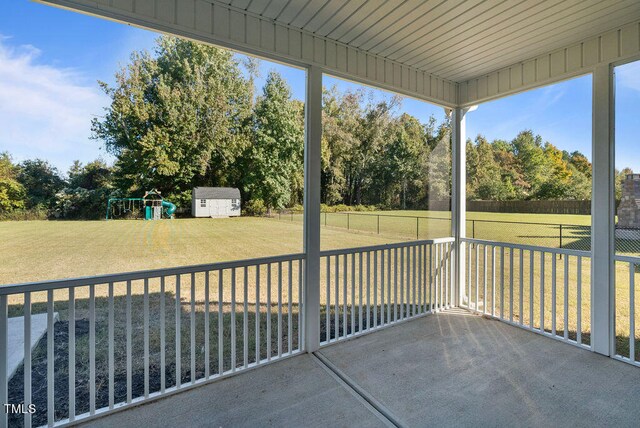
552,235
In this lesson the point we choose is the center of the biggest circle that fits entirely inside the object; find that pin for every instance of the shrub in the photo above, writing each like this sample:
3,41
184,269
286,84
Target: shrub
254,207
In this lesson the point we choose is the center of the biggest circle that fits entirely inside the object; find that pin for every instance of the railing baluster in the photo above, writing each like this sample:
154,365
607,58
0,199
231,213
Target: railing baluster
418,271
431,278
50,360
502,282
511,250
336,312
300,300
437,278
477,275
280,309
632,315
290,310
493,281
395,284
388,286
178,333
542,263
566,297
469,269
192,325
111,348
484,282
245,318
553,294
344,295
531,269
382,285
327,313
368,324
413,278
375,289
521,288
360,292
234,360
268,311
425,281
221,323
402,284
92,349
146,336
72,354
163,340
257,316
207,327
353,293
579,305
27,357
452,284
129,346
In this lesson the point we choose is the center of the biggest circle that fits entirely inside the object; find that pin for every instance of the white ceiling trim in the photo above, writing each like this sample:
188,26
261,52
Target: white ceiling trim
218,23
614,46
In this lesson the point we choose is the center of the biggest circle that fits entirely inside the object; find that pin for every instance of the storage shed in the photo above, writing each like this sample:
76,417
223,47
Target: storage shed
215,202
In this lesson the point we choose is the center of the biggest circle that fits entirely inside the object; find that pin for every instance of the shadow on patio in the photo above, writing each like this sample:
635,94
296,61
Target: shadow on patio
450,368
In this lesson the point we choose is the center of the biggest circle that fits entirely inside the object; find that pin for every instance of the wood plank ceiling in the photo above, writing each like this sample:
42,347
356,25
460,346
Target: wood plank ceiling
453,39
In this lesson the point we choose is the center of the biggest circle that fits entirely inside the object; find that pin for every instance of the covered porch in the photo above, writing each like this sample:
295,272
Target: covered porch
451,368
452,330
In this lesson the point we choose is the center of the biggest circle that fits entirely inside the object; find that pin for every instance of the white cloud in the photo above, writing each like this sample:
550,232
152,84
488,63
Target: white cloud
45,111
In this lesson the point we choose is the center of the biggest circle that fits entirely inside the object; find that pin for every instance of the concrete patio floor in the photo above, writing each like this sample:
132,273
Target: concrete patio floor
453,369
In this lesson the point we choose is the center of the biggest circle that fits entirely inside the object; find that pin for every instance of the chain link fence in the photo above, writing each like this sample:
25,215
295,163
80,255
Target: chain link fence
550,235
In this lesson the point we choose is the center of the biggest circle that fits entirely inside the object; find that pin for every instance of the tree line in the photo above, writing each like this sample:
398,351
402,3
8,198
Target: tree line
188,115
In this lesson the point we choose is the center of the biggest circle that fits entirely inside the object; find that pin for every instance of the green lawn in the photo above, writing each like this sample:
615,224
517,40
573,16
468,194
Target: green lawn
42,250
543,230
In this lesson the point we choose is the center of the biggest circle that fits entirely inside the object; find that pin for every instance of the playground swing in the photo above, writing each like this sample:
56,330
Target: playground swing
152,207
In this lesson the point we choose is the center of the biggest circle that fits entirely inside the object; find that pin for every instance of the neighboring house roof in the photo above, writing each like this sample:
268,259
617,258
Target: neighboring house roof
216,193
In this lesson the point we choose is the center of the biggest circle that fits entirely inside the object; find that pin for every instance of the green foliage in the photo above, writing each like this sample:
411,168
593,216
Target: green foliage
12,193
525,168
41,180
275,158
255,207
177,118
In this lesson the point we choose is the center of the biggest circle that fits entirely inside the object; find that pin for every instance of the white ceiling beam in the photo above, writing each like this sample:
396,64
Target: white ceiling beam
222,24
614,46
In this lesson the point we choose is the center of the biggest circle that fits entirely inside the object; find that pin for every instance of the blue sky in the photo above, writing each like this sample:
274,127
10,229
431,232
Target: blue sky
50,60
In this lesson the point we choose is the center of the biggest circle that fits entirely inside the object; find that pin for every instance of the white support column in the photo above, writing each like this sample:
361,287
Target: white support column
602,213
312,166
459,194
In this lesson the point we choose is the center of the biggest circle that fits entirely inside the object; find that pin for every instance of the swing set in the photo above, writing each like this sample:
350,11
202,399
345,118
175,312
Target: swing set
150,207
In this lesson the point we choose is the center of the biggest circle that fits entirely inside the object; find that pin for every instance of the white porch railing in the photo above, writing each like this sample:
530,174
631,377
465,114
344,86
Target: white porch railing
545,290
367,288
625,326
125,338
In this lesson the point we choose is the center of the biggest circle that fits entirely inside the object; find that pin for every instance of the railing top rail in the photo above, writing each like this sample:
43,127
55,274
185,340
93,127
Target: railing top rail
137,275
628,259
341,251
529,247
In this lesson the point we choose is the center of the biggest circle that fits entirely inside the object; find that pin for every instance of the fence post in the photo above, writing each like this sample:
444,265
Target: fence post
378,224
325,218
473,229
348,221
417,227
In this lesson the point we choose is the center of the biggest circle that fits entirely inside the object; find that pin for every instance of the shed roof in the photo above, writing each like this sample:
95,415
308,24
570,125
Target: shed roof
216,193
